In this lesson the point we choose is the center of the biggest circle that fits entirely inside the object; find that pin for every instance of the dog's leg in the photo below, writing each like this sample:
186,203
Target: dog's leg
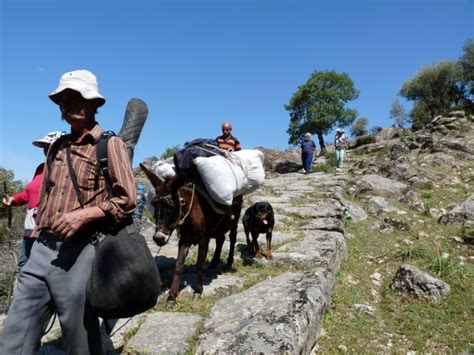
249,244
269,245
256,247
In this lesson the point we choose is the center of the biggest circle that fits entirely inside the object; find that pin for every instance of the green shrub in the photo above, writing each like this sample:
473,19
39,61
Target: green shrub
447,268
325,168
363,140
414,252
426,194
330,158
428,185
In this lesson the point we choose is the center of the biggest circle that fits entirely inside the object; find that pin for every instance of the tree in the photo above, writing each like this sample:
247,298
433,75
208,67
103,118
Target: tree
169,152
319,105
398,114
467,65
359,127
435,90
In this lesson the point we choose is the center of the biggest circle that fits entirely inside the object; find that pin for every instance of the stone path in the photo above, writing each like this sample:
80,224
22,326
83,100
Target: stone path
280,314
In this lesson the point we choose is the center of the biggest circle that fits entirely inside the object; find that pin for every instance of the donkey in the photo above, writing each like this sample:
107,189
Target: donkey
187,208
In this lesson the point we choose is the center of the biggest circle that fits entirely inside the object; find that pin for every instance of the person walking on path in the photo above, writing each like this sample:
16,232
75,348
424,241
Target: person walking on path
55,277
308,148
340,145
227,141
30,196
141,203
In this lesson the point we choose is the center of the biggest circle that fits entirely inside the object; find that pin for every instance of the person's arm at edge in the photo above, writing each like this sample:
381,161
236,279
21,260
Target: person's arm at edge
123,204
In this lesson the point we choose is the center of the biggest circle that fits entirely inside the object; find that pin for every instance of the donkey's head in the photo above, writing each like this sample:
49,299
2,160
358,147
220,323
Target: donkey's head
166,206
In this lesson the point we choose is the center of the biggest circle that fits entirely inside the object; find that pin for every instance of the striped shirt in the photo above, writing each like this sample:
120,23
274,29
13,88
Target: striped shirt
62,197
228,143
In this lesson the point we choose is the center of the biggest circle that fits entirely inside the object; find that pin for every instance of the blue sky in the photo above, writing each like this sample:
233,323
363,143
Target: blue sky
199,63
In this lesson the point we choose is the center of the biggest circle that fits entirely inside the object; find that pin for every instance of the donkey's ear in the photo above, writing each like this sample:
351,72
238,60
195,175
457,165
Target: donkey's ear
154,179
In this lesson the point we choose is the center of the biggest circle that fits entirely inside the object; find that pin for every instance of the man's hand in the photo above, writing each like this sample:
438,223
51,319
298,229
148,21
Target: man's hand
70,223
7,202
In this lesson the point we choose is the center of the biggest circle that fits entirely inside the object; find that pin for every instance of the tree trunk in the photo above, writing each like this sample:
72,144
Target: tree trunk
321,142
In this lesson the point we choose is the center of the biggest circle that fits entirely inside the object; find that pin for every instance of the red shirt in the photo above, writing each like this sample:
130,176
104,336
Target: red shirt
30,195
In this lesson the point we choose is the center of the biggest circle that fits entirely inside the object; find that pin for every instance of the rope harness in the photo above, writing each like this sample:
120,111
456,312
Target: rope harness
180,219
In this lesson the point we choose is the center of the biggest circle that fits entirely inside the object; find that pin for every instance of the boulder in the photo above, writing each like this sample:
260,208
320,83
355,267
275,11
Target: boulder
379,185
409,280
387,134
462,213
285,161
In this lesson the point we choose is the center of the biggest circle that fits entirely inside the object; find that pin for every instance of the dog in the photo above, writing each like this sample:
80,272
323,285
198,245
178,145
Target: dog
259,218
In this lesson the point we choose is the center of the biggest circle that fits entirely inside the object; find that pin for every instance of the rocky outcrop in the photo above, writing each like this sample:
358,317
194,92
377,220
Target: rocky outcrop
409,280
462,213
283,162
281,314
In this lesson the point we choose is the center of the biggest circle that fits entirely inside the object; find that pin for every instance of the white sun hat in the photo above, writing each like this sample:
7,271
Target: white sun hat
82,81
50,138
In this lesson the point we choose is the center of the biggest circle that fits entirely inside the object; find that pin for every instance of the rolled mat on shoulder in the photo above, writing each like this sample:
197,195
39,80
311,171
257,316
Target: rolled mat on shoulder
133,122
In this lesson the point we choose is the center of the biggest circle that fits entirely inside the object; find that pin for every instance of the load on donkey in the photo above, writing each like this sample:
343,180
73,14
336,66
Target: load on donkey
200,197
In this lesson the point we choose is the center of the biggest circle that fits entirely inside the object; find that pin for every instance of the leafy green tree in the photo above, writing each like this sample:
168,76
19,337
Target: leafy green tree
359,127
169,152
319,105
435,90
467,64
13,186
398,114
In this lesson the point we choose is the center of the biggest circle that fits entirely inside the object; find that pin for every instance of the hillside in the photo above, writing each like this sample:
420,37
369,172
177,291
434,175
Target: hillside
339,240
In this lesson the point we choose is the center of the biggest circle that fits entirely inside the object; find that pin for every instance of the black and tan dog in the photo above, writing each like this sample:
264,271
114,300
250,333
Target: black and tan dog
258,219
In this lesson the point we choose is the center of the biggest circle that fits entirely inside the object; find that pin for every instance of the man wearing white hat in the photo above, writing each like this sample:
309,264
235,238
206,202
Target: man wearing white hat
30,196
55,277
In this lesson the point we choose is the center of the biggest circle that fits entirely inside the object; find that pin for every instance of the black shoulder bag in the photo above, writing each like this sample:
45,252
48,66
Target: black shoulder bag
124,280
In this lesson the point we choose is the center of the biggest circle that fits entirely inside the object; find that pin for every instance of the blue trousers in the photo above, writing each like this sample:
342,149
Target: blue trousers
307,160
339,158
54,279
25,251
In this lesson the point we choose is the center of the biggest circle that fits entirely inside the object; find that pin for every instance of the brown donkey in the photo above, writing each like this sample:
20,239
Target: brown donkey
183,206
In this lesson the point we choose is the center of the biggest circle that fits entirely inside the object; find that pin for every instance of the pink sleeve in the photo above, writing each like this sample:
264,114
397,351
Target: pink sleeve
20,198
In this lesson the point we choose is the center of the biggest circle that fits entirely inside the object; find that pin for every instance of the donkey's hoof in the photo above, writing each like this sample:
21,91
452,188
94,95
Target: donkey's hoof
197,296
213,265
170,302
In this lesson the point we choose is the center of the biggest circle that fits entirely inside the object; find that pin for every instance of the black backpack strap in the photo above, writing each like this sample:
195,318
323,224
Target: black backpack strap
73,176
103,161
53,151
102,166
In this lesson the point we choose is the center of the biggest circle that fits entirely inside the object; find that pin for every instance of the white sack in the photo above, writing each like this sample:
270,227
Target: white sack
252,165
222,179
164,170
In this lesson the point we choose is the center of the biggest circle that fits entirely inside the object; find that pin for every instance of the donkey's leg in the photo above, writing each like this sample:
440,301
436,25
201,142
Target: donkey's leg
217,253
202,254
233,239
269,245
178,269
